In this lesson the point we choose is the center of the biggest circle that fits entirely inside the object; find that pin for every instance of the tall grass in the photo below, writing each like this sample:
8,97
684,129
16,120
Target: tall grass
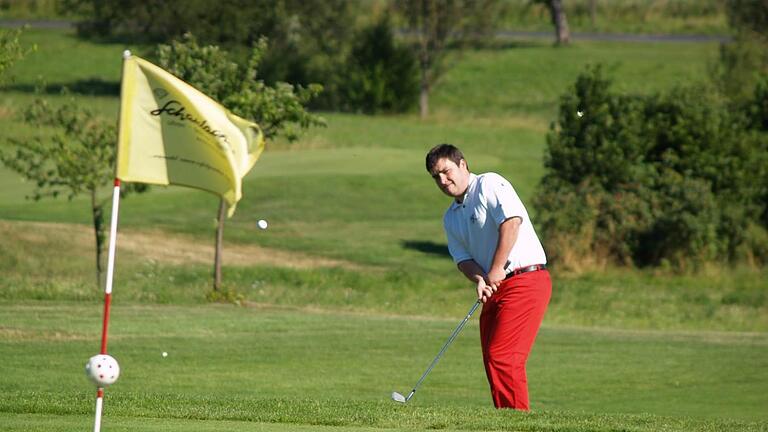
30,9
625,16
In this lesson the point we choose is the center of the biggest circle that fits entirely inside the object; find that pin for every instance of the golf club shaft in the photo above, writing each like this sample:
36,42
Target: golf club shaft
450,339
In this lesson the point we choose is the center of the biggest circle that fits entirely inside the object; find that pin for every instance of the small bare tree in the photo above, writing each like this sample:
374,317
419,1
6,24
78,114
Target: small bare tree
562,33
559,20
436,25
77,157
10,50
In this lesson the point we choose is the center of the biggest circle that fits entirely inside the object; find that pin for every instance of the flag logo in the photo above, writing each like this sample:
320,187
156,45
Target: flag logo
173,134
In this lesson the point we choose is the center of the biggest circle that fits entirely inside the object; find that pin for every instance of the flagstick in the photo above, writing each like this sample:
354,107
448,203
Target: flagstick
219,240
97,420
108,295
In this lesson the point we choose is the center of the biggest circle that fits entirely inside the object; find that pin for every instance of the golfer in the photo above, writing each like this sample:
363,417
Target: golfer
493,243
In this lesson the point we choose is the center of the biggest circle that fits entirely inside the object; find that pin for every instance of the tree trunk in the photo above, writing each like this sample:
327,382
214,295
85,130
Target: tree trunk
593,13
424,84
424,102
562,32
219,241
97,212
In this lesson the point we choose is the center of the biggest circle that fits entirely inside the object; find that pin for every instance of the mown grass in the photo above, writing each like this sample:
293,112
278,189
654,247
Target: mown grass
313,415
270,365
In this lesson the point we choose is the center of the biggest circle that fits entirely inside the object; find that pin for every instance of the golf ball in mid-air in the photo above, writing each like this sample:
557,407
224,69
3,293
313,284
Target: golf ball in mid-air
102,369
262,224
580,113
165,354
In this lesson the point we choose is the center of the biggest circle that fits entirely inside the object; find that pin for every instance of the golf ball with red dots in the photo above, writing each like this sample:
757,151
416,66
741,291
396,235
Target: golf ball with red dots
102,369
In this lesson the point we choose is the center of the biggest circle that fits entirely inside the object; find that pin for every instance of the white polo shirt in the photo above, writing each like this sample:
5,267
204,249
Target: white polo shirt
472,227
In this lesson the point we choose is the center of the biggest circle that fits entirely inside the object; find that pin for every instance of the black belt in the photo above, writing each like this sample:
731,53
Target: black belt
535,267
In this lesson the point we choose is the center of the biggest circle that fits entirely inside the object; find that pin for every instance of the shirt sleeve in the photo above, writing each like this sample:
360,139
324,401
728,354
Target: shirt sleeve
455,246
503,202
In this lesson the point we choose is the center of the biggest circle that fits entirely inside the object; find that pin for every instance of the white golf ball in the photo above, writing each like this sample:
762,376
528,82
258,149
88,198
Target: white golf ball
580,113
262,224
102,369
165,354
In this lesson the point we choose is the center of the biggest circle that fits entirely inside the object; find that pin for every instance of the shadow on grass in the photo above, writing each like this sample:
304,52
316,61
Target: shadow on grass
500,44
86,87
428,247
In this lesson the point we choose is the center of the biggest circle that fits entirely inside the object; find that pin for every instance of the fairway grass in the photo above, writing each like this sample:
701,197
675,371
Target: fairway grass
269,365
51,423
340,416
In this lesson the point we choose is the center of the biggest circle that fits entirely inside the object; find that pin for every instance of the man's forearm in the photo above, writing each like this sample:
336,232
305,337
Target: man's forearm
508,231
471,270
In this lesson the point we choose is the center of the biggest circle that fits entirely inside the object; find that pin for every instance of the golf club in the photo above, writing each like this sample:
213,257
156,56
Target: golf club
397,397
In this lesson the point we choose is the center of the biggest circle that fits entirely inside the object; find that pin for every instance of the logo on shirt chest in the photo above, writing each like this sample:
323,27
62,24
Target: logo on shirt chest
474,215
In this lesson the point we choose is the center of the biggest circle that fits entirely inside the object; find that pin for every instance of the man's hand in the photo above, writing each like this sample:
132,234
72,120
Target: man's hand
476,274
484,289
495,277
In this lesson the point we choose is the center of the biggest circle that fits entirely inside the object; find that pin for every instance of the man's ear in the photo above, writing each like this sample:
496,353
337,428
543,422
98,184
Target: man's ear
463,164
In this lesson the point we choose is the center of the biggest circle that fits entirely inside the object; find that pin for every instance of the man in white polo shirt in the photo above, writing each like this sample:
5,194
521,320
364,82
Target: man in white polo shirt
493,243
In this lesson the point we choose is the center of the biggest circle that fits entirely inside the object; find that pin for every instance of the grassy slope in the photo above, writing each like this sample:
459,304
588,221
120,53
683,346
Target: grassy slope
715,301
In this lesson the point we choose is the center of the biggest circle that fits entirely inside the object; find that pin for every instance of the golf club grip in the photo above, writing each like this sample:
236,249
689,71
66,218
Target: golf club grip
448,342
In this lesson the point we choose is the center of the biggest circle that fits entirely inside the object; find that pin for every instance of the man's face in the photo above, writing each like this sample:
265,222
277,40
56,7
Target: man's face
452,179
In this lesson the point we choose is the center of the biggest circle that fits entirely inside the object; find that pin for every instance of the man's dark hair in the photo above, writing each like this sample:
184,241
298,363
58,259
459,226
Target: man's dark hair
443,151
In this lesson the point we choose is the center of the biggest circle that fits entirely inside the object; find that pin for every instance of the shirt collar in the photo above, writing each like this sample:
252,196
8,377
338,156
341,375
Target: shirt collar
472,180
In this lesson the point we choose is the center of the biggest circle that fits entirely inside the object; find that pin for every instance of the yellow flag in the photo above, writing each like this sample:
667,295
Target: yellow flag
173,134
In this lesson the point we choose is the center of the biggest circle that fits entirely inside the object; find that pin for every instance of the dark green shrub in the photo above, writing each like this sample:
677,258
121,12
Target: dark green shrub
703,136
684,224
748,15
674,178
597,135
381,75
567,214
308,39
758,106
744,58
758,116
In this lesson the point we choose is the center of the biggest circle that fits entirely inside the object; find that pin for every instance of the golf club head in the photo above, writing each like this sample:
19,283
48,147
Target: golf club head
397,397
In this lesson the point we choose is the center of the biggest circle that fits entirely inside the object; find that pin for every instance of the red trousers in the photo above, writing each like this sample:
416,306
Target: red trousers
508,326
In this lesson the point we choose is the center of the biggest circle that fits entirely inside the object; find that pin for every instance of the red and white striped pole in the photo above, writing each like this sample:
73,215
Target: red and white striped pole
108,295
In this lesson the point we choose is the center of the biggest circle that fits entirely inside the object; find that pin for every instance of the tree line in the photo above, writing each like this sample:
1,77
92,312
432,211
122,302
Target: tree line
350,48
